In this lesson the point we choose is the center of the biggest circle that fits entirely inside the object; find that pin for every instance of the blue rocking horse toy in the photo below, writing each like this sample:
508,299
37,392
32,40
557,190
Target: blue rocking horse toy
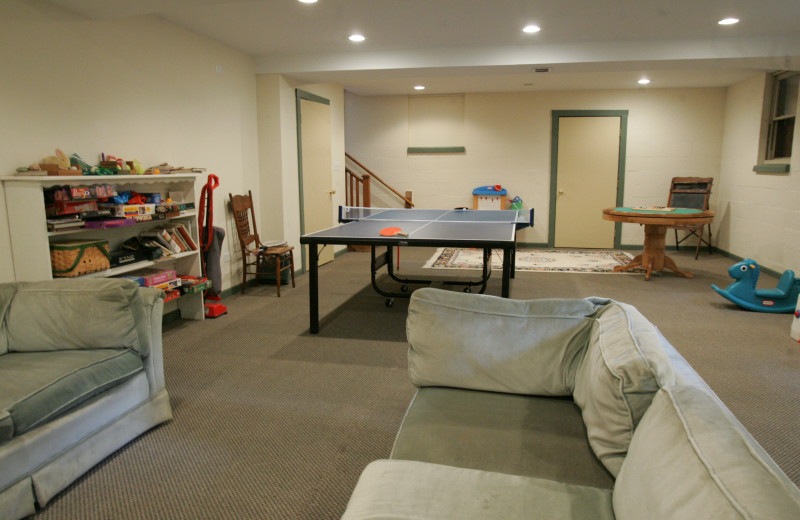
743,291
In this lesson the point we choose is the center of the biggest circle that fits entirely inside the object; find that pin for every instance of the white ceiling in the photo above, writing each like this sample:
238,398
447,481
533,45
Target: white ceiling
477,45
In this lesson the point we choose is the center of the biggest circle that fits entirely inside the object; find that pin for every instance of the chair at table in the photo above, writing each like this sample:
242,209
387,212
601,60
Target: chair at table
691,192
256,257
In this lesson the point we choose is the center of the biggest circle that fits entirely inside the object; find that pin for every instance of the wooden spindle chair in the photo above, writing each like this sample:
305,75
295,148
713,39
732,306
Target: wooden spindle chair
256,257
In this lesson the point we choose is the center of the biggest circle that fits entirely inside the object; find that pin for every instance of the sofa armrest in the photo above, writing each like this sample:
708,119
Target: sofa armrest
489,343
154,361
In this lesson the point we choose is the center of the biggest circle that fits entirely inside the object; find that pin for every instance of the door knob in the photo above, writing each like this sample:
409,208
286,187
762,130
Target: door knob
331,191
560,192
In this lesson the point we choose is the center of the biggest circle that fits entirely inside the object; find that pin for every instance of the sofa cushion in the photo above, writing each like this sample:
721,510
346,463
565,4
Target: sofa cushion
78,314
489,343
36,387
623,368
540,437
690,458
7,291
406,490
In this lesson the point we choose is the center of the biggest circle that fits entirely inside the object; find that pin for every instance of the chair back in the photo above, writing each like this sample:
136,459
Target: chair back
245,218
690,192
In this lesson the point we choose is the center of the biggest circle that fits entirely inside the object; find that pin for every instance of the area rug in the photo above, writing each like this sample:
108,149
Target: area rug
544,260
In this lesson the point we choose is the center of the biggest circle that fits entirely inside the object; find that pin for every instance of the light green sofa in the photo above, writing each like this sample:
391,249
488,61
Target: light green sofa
561,409
81,375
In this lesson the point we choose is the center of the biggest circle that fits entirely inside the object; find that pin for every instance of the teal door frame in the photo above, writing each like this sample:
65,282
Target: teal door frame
308,96
623,138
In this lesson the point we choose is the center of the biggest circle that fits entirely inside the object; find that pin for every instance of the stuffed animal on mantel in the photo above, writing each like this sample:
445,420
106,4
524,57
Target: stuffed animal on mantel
59,161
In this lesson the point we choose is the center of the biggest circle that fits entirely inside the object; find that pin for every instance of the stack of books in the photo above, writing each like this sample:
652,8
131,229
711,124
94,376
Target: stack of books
172,239
165,279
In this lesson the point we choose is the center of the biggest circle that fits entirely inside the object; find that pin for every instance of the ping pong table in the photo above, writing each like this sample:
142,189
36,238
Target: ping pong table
485,229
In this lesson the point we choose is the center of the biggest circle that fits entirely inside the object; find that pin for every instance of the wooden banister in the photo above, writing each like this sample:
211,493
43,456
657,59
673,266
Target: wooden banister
358,189
405,198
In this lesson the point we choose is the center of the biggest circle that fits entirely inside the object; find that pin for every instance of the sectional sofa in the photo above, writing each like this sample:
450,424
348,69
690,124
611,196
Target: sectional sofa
81,375
561,409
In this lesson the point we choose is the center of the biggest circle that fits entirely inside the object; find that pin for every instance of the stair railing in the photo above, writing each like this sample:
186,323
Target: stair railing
359,187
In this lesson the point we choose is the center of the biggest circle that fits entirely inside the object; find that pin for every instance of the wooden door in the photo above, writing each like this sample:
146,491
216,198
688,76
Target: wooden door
316,168
586,178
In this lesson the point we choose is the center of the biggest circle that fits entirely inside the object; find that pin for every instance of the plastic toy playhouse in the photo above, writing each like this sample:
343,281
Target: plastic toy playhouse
489,197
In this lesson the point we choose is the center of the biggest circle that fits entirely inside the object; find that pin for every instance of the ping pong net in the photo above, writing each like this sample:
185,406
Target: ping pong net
508,216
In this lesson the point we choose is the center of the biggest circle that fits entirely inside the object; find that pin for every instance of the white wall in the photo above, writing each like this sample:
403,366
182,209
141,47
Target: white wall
277,128
136,88
671,132
278,204
758,214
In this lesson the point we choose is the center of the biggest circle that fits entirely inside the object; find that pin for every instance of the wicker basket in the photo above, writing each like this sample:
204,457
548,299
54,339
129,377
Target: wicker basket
77,257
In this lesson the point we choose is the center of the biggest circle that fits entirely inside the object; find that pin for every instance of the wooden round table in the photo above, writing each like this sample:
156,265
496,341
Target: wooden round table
656,222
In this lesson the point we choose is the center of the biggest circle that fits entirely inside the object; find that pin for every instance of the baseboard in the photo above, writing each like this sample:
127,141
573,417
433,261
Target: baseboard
531,245
634,247
737,258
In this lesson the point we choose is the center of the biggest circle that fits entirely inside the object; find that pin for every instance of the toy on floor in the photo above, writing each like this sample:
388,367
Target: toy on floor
743,291
794,332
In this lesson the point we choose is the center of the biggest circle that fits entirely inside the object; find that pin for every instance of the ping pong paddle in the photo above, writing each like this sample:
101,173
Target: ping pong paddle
392,231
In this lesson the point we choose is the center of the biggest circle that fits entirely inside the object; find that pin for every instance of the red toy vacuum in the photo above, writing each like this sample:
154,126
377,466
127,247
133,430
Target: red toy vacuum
210,245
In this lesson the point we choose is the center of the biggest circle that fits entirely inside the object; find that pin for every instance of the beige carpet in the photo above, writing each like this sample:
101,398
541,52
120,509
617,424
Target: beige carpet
273,423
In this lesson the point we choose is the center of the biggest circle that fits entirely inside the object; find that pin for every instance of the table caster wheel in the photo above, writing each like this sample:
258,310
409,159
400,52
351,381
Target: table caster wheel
389,302
404,288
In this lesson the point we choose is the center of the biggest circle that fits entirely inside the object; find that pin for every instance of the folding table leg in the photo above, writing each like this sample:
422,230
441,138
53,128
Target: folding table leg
313,288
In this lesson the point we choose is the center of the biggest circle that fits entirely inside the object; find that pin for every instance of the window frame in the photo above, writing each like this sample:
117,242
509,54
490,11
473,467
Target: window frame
766,160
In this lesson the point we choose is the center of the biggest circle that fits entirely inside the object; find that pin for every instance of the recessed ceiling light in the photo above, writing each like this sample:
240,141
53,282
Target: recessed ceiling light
728,21
530,29
643,81
307,1
357,37
419,87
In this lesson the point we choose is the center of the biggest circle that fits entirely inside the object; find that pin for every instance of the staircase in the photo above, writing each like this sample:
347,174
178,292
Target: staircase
358,185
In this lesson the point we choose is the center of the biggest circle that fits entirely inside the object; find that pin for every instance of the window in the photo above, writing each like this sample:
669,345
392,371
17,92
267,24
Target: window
782,105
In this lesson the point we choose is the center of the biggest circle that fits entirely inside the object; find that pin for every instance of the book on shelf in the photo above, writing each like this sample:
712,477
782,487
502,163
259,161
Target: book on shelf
177,239
275,243
152,242
155,235
187,237
153,277
169,240
181,236
61,224
168,285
